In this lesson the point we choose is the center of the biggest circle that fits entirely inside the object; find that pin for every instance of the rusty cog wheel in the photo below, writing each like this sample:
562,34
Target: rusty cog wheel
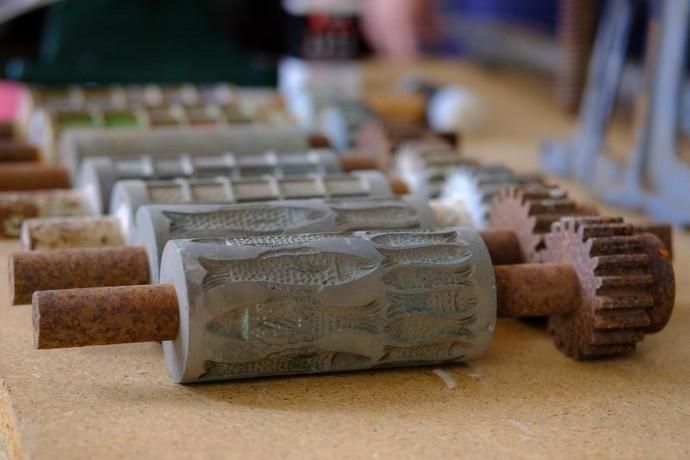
627,284
529,210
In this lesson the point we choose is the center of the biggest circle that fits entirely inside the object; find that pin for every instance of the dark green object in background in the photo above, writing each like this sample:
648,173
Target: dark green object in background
138,41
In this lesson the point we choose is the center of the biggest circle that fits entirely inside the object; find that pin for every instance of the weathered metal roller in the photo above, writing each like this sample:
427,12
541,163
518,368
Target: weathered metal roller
48,125
129,195
77,144
99,175
310,303
32,271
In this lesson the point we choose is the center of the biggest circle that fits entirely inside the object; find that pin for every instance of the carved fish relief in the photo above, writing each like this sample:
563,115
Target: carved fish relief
307,359
302,267
431,352
391,216
288,322
439,254
405,239
458,299
425,328
270,241
429,277
256,219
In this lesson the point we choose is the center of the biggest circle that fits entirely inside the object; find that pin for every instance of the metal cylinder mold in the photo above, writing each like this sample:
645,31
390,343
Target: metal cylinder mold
158,224
128,196
117,229
15,207
76,144
98,175
318,303
213,223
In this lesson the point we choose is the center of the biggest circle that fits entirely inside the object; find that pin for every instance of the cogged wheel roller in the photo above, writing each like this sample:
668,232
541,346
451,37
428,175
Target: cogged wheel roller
627,286
529,211
476,187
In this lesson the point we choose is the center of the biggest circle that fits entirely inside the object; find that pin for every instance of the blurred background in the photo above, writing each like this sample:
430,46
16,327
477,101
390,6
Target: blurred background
316,53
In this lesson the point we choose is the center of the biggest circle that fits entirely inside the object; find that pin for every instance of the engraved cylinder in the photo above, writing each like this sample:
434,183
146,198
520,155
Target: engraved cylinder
315,303
75,145
98,175
129,195
157,224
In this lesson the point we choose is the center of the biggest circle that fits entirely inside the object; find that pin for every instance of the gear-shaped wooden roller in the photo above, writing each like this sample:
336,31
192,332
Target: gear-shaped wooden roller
529,210
627,286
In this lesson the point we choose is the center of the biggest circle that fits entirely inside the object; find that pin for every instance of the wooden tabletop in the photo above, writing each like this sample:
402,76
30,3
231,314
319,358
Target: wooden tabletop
523,399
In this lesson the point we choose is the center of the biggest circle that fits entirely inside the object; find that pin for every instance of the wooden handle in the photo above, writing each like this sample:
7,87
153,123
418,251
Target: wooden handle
103,316
32,271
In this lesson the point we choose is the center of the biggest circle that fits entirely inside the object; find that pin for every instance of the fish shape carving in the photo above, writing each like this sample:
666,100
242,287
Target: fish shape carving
442,351
293,361
300,267
248,219
392,215
438,254
448,300
429,277
406,239
288,322
426,328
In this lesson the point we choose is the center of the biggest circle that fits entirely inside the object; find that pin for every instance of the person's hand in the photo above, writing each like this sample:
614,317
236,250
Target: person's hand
395,28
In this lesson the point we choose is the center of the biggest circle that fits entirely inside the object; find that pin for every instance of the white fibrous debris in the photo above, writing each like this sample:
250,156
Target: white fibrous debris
450,213
461,186
456,109
448,379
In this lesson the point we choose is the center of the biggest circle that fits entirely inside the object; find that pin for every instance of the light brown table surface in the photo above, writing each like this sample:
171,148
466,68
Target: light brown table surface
524,399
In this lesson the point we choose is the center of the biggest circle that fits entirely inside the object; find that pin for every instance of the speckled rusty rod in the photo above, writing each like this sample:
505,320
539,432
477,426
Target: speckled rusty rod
128,314
102,316
503,245
32,271
15,151
528,290
32,176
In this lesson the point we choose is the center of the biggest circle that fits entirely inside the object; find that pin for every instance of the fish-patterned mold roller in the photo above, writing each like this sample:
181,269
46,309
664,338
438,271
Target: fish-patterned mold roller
99,175
295,304
77,144
300,304
129,195
308,303
32,271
